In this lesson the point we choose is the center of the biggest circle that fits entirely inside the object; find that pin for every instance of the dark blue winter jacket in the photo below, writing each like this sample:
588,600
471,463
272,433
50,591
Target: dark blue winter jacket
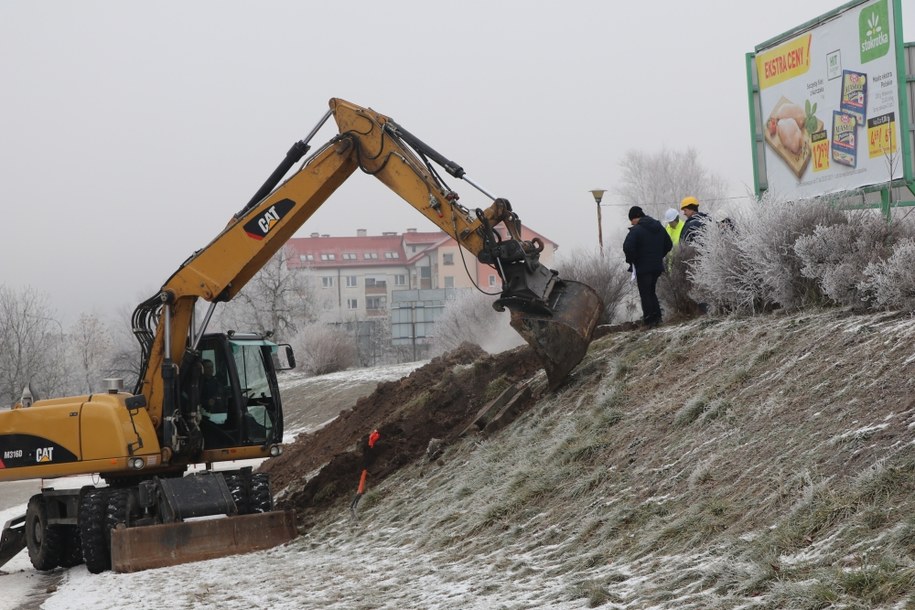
646,244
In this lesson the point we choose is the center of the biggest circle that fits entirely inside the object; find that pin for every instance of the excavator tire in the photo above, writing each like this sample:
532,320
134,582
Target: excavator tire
239,486
561,340
261,498
93,510
43,541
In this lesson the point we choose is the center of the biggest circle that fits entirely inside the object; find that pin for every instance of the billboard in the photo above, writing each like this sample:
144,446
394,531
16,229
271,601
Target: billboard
828,103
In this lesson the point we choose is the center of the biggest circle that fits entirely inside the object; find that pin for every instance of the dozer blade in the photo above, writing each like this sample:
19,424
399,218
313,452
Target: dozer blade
13,539
156,546
561,339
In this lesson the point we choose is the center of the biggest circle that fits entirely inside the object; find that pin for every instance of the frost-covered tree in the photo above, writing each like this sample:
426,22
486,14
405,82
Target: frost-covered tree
124,355
90,344
32,346
657,181
277,299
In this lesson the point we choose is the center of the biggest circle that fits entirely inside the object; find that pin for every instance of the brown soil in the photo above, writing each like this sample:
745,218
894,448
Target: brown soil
436,401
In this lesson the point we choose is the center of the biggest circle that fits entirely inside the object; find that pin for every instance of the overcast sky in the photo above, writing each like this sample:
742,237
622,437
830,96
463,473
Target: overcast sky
131,131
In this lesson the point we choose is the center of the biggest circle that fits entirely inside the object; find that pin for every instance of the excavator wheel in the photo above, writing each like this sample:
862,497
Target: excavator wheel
251,492
43,541
239,486
261,498
561,338
122,510
93,510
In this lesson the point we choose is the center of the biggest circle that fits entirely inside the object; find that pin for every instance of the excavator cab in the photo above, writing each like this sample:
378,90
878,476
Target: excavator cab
234,390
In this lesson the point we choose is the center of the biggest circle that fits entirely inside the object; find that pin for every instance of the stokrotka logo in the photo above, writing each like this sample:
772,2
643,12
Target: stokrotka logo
874,31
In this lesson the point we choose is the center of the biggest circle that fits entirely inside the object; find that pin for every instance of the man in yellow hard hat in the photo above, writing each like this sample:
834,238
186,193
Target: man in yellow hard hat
694,219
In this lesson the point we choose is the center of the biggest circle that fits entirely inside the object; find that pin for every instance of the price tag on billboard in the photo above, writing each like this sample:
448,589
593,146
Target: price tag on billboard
881,136
819,145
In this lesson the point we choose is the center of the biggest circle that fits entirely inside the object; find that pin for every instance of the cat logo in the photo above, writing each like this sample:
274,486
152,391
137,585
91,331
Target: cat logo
44,454
258,228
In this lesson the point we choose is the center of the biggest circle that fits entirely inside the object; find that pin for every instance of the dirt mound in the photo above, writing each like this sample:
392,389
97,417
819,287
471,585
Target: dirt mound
438,400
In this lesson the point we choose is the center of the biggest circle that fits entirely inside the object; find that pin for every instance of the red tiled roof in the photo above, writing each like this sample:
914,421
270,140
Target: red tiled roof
378,245
422,237
338,246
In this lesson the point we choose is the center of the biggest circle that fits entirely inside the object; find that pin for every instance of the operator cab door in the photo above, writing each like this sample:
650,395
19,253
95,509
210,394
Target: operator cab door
258,396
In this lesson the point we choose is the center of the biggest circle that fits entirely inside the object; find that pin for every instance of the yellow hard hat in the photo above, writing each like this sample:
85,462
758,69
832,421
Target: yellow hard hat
689,201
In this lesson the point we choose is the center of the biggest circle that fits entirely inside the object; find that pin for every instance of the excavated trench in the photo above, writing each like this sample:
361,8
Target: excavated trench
437,401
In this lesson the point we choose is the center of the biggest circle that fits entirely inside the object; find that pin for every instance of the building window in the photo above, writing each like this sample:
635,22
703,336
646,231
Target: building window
328,257
306,257
400,280
349,256
352,303
449,281
351,281
327,282
370,255
492,281
448,259
392,254
375,303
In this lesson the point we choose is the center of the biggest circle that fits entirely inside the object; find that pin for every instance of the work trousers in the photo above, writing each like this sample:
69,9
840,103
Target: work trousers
651,308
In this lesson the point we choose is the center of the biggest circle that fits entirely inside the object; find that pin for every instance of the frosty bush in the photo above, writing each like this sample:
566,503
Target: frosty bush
608,277
752,266
837,256
674,286
890,284
322,349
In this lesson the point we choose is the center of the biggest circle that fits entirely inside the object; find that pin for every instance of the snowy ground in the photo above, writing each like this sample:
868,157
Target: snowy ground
23,587
353,569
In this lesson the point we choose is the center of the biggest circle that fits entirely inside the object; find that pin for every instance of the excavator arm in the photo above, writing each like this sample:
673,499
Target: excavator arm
556,317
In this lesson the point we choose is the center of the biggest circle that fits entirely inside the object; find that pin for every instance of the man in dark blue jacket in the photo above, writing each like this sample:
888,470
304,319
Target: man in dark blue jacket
645,247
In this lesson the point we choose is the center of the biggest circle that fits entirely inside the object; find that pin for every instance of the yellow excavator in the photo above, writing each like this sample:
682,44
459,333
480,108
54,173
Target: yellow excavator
205,398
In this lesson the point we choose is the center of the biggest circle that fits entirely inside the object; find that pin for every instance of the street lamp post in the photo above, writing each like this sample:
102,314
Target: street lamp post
598,195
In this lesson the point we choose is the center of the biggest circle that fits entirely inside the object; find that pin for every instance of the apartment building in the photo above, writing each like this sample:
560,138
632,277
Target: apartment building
362,278
356,275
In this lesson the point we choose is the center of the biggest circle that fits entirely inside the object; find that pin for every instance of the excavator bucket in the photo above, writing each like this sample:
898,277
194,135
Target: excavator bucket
156,546
561,338
13,539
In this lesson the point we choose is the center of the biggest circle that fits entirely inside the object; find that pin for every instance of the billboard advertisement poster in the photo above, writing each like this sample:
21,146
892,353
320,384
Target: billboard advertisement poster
829,102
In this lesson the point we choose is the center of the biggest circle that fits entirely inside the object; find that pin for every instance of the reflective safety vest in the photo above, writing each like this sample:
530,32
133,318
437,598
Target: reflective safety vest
674,233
